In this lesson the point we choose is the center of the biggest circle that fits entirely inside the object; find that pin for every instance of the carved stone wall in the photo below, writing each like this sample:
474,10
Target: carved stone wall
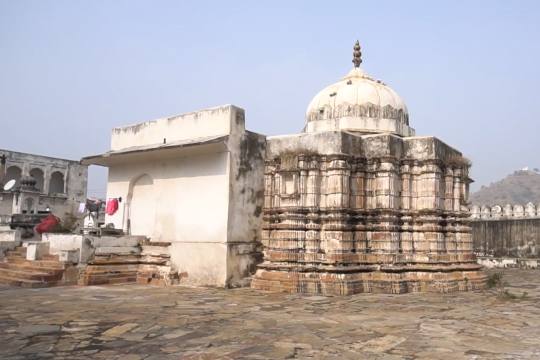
345,214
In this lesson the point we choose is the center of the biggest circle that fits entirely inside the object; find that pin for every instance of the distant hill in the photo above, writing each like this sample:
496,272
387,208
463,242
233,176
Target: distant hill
518,188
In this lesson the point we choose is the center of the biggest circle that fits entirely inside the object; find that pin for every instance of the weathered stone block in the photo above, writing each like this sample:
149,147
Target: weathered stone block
35,250
117,241
117,250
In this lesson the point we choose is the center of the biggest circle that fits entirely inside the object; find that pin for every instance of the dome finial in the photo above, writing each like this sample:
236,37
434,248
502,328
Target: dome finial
357,55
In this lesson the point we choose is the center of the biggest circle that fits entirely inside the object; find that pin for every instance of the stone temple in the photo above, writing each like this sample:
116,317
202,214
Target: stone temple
358,203
355,203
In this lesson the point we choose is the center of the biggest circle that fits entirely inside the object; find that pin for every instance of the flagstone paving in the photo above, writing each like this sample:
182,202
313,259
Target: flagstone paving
142,322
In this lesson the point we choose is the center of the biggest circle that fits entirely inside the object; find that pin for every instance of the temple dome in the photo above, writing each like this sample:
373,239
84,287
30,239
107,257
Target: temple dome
358,103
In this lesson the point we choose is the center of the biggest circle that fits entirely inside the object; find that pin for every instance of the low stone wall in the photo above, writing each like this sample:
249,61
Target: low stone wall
9,240
87,245
513,242
60,243
5,219
114,259
7,235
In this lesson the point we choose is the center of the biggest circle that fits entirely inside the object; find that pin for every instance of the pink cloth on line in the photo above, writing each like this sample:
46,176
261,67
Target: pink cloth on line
112,206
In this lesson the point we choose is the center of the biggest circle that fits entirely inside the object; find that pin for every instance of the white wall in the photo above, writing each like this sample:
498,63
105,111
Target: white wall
209,122
205,198
190,196
188,204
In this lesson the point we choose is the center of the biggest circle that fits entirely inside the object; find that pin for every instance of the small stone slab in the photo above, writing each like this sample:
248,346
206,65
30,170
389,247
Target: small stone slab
33,330
117,250
119,329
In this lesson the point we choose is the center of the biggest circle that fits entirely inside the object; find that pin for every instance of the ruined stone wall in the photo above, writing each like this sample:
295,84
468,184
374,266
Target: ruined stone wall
62,183
517,237
507,235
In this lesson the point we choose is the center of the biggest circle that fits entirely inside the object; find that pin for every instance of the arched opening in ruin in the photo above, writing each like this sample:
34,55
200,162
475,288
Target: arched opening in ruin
37,174
13,173
56,186
141,205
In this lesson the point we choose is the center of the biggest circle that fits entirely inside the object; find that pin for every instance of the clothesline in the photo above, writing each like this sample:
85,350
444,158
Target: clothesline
94,205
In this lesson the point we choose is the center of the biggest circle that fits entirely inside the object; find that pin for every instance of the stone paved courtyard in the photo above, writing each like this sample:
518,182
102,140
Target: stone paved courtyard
140,322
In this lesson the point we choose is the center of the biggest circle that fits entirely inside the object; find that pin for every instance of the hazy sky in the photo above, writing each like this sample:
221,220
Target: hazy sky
469,71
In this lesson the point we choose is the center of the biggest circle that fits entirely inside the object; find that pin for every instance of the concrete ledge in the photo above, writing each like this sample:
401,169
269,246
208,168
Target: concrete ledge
117,250
117,241
68,242
10,235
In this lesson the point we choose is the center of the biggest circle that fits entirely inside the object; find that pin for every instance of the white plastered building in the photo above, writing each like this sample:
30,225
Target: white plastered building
194,180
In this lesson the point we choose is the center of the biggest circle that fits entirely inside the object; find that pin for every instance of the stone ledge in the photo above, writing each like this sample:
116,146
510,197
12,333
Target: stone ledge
368,282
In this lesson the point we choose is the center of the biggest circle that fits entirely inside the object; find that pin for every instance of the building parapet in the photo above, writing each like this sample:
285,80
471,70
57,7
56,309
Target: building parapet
508,211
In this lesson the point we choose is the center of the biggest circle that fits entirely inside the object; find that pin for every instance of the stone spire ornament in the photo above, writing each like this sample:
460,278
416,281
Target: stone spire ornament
357,55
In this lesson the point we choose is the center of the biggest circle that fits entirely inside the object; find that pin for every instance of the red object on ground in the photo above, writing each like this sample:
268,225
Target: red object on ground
112,206
47,224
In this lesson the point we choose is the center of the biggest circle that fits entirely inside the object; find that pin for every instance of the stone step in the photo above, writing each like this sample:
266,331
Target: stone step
97,278
118,241
50,257
25,283
152,260
118,250
21,249
109,276
29,267
90,270
37,263
16,253
15,257
114,259
29,275
159,251
143,280
107,280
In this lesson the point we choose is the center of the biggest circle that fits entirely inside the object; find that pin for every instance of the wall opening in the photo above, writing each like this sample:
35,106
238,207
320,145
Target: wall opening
37,174
56,186
141,204
13,173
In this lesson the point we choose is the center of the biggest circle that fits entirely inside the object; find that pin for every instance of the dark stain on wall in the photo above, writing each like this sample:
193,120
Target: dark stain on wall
251,150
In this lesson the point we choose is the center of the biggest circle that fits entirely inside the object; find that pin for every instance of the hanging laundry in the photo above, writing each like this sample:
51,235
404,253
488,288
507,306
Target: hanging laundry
82,207
92,205
112,206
